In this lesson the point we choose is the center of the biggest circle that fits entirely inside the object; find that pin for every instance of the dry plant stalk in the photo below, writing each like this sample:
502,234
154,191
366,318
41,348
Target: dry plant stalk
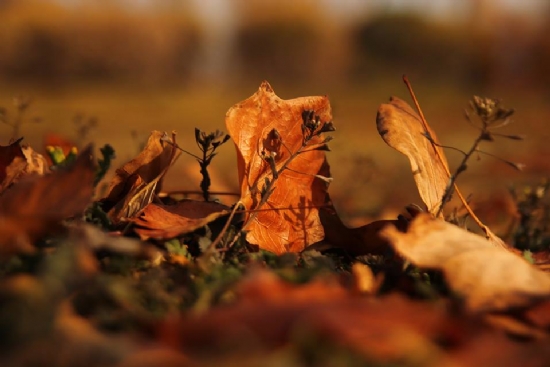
493,113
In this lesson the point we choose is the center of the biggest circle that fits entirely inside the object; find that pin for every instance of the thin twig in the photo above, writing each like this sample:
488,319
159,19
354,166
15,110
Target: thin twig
442,161
218,239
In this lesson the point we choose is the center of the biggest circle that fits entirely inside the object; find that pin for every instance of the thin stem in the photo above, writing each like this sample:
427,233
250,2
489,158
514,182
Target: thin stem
218,239
452,180
183,150
442,161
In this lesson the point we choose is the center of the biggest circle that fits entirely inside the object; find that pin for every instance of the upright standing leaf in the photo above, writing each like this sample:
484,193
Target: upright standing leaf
401,128
290,219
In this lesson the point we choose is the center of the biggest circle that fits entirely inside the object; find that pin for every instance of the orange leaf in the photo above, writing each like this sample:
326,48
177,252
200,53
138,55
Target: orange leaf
401,128
35,206
290,219
168,221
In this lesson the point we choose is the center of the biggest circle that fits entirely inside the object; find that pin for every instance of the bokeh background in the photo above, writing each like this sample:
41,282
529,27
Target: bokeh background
110,71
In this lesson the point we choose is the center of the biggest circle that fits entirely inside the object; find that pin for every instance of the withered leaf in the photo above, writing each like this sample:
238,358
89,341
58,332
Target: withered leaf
358,241
401,128
135,183
36,163
35,205
490,278
12,163
269,311
168,221
266,124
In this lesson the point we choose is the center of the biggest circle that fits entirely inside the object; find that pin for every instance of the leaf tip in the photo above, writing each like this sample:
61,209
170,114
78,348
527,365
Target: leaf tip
266,87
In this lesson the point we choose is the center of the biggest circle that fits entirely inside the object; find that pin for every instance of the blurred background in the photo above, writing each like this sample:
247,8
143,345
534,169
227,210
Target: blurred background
110,71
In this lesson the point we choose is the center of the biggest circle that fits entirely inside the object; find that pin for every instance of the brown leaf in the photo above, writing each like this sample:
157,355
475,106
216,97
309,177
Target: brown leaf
35,205
164,222
291,221
489,277
269,312
12,164
357,241
135,183
401,128
36,163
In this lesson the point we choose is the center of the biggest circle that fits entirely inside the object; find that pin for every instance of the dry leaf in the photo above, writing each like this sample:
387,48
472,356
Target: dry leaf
36,163
490,278
35,205
164,222
401,128
358,241
297,192
96,239
12,164
269,312
135,183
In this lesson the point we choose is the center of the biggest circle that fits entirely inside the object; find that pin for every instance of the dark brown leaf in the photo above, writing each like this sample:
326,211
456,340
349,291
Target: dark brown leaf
136,183
35,205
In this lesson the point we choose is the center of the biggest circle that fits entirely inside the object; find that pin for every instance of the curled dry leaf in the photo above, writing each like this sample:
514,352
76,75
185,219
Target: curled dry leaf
289,221
135,183
17,161
164,222
12,164
35,206
490,278
401,128
36,163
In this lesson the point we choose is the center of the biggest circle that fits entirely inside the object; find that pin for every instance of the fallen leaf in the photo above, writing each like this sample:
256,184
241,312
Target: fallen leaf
269,313
12,164
35,206
290,219
357,241
36,163
136,183
489,278
401,128
164,222
97,240
17,161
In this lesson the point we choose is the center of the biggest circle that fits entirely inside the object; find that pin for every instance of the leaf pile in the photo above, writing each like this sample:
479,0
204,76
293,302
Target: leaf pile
140,277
